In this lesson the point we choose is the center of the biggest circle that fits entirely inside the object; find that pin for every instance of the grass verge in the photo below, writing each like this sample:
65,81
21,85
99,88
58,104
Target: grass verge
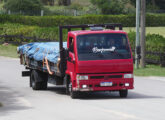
8,51
149,30
150,70
0,104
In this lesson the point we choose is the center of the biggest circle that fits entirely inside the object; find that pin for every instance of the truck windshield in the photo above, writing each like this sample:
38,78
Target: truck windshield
103,47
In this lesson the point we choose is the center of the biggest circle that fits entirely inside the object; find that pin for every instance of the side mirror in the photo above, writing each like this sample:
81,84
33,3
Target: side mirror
71,57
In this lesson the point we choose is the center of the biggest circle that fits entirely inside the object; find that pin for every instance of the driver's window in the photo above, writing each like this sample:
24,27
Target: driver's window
71,47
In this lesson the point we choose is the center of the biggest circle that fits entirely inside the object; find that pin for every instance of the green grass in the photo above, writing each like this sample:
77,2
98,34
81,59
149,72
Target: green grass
149,30
0,104
8,51
1,5
150,70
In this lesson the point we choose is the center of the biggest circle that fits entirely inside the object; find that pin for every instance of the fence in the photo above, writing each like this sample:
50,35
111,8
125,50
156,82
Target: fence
24,40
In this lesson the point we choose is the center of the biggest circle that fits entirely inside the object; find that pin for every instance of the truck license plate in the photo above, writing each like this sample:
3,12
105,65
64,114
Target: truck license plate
106,84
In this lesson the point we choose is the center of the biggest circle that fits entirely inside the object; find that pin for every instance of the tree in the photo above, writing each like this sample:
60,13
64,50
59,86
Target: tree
48,2
155,3
160,4
30,7
109,6
64,2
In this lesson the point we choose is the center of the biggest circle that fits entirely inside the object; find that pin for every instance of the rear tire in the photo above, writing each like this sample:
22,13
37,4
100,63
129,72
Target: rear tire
38,80
123,93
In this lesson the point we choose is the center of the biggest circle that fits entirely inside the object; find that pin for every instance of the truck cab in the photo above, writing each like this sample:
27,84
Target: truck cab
99,60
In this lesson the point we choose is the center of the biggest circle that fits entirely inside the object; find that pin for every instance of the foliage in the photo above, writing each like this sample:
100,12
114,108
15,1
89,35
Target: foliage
154,43
76,6
154,4
109,6
8,51
149,30
64,2
160,4
18,29
28,7
48,2
52,21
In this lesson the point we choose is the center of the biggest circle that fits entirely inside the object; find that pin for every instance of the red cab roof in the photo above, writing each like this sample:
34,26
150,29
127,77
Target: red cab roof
83,32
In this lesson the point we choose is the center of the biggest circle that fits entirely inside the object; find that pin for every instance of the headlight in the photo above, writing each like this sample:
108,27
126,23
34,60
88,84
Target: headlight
128,75
82,77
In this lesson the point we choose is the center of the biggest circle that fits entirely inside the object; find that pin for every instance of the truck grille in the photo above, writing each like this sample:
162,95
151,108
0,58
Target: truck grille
102,77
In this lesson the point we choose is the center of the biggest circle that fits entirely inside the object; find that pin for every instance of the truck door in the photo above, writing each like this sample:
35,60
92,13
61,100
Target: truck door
71,58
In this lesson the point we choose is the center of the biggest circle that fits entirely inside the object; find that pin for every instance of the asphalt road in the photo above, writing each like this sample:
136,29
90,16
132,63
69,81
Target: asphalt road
145,102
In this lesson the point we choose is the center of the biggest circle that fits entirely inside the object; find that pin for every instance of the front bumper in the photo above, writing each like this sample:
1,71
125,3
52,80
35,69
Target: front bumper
94,84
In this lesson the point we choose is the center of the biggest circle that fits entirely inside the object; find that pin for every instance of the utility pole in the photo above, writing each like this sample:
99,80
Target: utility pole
143,33
137,33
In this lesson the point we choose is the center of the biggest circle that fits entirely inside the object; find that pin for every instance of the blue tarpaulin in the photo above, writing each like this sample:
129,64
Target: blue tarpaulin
39,50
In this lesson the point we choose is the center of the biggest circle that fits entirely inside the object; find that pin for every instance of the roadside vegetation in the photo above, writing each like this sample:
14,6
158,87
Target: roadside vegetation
149,30
61,7
0,104
150,70
8,51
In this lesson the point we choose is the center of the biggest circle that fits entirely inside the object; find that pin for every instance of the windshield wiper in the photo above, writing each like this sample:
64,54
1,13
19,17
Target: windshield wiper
119,54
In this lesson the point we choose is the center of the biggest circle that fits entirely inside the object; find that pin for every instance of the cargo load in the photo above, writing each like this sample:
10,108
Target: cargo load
41,50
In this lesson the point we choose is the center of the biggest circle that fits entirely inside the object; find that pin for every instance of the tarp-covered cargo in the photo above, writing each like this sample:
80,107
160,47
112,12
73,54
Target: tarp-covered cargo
41,50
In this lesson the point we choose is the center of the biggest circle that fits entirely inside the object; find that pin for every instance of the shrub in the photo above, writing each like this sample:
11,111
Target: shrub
30,31
154,43
110,6
52,21
28,7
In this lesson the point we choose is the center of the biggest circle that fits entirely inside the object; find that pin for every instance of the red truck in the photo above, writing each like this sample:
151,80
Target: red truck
97,58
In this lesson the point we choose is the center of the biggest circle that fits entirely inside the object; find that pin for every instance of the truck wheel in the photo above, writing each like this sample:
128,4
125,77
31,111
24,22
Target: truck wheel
123,93
38,80
73,94
44,80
